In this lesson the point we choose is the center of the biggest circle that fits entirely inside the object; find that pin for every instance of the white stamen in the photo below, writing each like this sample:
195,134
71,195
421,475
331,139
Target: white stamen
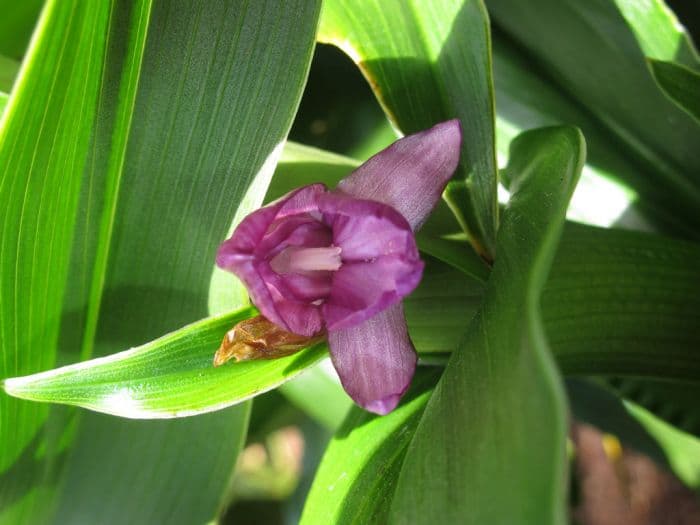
299,260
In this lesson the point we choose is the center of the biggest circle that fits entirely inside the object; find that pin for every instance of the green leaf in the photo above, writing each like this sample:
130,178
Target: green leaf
672,401
622,302
170,377
428,62
594,58
682,450
357,476
137,457
206,121
40,178
658,32
495,427
615,302
681,84
440,308
526,100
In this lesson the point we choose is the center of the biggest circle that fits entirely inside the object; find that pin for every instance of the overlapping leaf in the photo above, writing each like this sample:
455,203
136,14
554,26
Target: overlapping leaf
605,285
658,31
205,122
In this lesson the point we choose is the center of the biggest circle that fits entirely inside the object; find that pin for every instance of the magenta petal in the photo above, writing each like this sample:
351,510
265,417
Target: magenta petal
361,290
285,308
250,232
375,360
289,219
366,229
411,174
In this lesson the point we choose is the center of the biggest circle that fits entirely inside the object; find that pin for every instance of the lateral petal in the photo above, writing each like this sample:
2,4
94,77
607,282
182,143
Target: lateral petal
375,360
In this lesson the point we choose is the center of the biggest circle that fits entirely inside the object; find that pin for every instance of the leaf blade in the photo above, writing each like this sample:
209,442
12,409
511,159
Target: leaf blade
501,384
40,182
188,382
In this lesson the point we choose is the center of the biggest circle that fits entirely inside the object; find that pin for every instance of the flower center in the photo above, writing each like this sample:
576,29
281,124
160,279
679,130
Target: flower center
295,259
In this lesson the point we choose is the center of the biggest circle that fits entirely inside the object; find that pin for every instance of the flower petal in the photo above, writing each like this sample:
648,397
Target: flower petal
288,220
297,315
375,360
410,174
361,290
366,229
250,232
298,230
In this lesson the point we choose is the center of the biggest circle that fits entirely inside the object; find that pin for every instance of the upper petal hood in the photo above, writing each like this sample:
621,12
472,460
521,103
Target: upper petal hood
411,174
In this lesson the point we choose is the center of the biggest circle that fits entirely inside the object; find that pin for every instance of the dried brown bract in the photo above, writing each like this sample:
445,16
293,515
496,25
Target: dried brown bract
258,338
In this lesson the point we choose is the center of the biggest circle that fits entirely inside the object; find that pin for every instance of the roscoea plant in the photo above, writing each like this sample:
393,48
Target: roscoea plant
340,261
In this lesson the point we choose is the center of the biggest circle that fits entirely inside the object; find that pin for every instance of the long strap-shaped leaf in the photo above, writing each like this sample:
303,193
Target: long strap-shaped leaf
40,180
171,377
490,447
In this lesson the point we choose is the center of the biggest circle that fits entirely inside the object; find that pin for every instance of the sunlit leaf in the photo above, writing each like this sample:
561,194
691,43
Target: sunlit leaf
170,377
206,121
658,31
682,450
40,179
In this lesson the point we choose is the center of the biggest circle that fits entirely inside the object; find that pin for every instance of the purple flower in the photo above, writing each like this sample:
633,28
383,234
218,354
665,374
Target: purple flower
340,261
